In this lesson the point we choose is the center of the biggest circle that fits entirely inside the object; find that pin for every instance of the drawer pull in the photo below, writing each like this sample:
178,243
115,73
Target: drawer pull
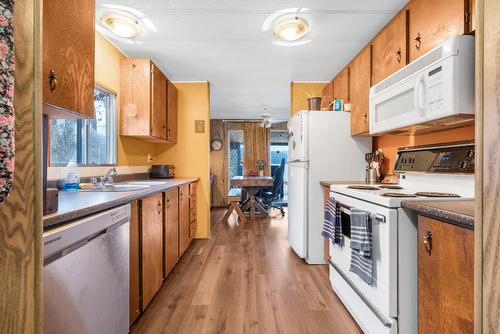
52,81
398,55
428,242
418,42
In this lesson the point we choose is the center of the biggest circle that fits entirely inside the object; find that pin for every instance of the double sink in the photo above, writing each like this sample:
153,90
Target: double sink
129,186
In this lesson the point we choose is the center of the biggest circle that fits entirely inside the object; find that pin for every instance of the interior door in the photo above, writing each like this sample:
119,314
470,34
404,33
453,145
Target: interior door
297,207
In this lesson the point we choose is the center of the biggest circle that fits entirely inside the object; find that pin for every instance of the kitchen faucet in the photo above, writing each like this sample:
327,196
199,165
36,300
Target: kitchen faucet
104,179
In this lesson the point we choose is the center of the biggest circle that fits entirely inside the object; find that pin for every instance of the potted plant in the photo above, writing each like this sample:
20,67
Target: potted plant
261,164
314,100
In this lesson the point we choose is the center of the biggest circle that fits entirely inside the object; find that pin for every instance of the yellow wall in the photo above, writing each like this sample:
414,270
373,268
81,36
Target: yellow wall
191,154
131,151
299,94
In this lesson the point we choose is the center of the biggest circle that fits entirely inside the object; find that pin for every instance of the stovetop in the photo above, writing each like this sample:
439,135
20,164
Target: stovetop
446,168
461,185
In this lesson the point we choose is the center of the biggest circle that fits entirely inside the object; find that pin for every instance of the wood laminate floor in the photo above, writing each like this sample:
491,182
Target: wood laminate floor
245,279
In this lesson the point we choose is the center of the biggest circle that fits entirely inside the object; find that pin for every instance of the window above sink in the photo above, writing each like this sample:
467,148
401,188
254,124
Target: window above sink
86,142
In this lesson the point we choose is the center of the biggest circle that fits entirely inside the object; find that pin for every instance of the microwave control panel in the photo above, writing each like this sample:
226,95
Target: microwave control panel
450,159
435,89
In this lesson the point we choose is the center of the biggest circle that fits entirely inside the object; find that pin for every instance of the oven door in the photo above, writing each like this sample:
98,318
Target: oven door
379,300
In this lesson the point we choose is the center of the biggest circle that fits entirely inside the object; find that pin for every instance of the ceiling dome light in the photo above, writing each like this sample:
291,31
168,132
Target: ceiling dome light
121,25
291,29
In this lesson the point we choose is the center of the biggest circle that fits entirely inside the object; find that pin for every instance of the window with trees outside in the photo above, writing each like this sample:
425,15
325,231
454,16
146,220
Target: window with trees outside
86,141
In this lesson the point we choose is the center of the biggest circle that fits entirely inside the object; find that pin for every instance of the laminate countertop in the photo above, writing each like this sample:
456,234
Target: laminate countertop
78,204
456,212
328,183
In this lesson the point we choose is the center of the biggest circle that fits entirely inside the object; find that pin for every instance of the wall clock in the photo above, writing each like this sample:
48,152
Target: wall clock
216,144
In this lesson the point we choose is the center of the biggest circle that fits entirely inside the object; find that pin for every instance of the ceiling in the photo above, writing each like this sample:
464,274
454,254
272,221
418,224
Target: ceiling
223,41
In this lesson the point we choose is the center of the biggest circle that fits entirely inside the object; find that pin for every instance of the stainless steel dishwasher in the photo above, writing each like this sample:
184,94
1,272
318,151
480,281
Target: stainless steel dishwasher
86,275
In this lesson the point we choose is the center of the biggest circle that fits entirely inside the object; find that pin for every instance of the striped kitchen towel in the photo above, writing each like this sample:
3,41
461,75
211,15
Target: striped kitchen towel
332,225
361,245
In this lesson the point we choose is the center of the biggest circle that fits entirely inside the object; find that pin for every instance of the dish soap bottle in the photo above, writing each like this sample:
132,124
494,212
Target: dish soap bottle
72,180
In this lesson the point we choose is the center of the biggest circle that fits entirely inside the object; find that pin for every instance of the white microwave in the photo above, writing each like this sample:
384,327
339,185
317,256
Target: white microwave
433,92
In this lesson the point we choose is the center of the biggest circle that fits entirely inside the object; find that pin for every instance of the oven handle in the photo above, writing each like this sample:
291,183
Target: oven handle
381,316
378,217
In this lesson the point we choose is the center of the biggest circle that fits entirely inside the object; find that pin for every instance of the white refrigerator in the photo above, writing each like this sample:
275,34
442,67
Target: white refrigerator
320,147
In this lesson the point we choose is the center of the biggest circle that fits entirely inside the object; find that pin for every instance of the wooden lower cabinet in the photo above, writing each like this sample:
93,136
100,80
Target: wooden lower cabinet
135,290
184,221
445,277
171,235
151,246
193,209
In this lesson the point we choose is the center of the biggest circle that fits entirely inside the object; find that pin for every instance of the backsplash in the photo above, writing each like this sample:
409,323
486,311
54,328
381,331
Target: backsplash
58,173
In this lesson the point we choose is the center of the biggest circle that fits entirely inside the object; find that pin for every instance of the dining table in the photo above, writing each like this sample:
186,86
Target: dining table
252,185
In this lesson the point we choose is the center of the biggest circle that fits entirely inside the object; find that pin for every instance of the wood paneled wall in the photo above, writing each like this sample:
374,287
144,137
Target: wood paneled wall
257,147
20,213
487,225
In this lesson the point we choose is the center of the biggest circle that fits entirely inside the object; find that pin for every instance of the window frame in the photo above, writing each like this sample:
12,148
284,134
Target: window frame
111,135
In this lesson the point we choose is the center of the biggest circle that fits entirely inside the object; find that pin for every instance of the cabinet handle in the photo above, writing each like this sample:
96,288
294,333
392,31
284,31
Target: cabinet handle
418,42
398,55
52,81
159,206
168,203
428,242
365,117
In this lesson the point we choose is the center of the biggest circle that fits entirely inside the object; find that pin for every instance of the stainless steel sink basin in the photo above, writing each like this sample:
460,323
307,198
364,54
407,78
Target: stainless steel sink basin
118,188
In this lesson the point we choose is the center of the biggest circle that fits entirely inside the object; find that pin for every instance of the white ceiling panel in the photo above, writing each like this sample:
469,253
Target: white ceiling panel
223,41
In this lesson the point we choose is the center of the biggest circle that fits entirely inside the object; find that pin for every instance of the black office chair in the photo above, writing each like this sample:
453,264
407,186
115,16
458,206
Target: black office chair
272,195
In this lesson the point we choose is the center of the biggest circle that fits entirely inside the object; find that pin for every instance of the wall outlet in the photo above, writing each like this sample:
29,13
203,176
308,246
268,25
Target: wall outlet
150,158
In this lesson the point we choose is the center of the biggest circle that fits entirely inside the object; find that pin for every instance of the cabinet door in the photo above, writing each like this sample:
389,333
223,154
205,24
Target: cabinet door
68,58
135,97
171,113
445,278
433,22
341,85
171,245
193,210
327,95
135,296
389,48
158,103
184,225
359,83
152,247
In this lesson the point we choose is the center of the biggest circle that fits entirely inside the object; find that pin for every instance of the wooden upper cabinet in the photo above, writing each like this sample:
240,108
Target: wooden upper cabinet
68,58
152,246
143,100
159,104
184,219
341,85
171,112
389,48
327,95
171,234
360,83
433,22
445,277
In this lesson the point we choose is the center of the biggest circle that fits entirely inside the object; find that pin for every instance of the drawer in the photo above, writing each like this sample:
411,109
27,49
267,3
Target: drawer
192,201
192,188
192,228
192,214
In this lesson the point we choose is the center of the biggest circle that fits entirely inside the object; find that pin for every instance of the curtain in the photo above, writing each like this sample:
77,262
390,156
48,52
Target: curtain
256,147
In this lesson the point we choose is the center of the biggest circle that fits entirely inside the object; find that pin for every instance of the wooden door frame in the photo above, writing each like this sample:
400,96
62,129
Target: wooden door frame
487,220
21,213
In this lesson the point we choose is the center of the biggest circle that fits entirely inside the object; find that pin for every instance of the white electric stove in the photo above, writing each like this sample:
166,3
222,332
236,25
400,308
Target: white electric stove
389,304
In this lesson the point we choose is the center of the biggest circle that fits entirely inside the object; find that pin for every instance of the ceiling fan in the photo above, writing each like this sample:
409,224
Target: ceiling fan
265,123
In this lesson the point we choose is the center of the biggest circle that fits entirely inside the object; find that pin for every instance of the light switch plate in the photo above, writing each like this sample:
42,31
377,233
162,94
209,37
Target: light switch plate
199,126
